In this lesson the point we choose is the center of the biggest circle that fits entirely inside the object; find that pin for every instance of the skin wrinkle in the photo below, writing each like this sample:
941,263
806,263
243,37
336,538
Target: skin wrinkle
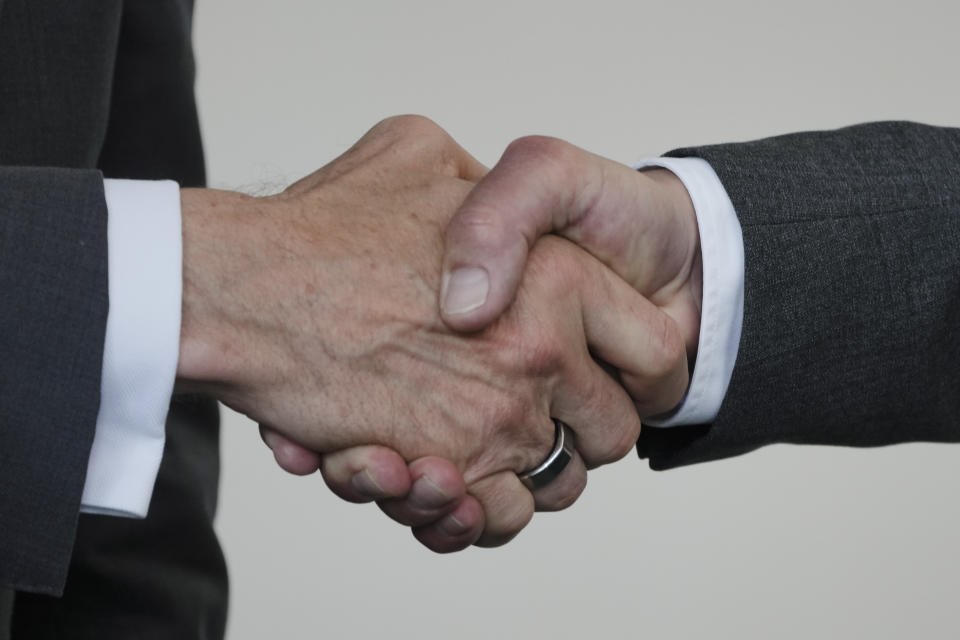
588,199
391,330
499,391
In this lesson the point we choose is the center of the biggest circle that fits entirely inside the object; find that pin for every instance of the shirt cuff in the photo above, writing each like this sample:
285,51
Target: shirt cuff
141,348
721,317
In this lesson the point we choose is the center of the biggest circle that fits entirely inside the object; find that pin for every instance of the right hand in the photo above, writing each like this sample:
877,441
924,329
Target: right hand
640,224
315,313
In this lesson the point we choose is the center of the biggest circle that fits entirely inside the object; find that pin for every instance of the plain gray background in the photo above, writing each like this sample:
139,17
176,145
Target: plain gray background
785,542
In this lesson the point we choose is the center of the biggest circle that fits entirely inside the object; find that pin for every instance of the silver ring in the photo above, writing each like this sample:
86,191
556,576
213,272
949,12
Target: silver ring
556,462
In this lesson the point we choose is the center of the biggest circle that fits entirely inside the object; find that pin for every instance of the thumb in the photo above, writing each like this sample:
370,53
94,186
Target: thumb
540,185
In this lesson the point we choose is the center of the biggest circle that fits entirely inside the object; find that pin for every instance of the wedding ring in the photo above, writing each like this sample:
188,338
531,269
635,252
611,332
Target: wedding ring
556,462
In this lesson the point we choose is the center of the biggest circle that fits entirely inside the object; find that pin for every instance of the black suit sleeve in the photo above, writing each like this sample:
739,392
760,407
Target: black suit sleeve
53,311
851,328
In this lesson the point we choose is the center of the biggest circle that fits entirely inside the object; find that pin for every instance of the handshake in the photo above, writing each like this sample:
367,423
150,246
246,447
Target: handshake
457,344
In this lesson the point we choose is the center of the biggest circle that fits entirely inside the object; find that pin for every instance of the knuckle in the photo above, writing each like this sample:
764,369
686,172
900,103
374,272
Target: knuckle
509,522
571,494
530,350
614,434
653,401
516,518
415,137
665,376
424,142
541,353
673,393
623,443
509,438
615,445
409,124
667,349
538,149
557,160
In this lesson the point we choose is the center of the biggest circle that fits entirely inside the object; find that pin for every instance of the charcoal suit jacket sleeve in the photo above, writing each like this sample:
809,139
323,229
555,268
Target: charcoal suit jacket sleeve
851,327
91,87
53,311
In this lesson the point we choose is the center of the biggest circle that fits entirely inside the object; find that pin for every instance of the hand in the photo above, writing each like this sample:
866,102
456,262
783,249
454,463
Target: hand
640,224
653,359
314,312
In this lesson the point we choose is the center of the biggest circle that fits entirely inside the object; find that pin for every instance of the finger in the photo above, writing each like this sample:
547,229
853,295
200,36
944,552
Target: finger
540,185
436,489
582,393
290,456
457,530
629,332
507,506
366,473
563,490
599,410
622,329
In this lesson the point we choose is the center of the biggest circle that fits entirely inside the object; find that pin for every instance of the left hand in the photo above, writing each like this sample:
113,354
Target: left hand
641,224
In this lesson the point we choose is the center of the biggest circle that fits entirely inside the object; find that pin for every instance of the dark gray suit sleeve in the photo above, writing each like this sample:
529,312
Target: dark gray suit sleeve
53,312
851,329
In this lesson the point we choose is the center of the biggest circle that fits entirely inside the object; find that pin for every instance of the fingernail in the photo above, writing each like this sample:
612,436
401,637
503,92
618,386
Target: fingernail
452,526
425,494
465,289
364,484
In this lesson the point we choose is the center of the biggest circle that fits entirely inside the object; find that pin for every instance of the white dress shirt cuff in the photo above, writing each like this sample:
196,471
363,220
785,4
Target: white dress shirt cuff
142,345
721,318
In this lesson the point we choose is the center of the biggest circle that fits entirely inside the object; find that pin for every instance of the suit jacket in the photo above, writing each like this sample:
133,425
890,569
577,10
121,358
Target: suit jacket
87,89
851,327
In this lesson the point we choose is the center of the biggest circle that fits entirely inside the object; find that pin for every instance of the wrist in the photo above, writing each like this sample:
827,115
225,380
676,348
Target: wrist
212,221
